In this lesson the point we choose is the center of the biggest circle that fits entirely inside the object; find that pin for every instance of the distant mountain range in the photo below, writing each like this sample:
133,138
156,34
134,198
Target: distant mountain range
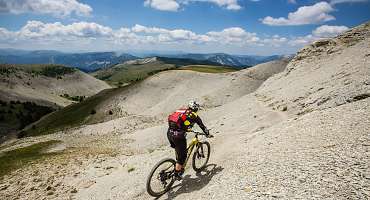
93,61
240,61
84,61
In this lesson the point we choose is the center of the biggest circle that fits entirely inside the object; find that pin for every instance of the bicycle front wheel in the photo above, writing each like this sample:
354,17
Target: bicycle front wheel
201,156
161,178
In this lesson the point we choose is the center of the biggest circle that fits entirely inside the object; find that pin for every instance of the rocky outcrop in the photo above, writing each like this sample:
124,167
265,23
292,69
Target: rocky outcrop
325,74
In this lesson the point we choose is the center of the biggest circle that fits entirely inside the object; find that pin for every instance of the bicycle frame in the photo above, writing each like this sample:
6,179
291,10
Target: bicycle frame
190,148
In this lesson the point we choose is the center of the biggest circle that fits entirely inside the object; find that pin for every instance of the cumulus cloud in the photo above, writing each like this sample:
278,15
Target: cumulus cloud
83,35
228,4
36,31
174,5
5,35
275,41
333,2
165,5
233,35
40,30
143,29
326,31
58,8
321,32
314,14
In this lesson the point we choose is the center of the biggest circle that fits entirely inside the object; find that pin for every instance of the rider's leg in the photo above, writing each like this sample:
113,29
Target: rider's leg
178,167
180,153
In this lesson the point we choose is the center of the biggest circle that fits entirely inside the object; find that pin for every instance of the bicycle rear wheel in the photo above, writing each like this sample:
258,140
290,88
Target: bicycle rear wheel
201,156
161,178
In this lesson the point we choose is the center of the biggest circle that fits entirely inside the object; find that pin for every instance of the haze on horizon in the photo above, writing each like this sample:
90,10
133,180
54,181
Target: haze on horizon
257,27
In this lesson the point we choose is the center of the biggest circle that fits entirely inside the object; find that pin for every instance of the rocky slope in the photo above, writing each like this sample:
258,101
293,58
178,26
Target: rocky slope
301,134
43,84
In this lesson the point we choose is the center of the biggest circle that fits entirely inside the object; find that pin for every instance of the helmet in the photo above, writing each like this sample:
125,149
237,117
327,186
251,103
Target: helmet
193,105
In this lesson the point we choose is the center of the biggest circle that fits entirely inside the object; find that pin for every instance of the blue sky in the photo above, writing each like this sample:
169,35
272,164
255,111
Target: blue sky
261,27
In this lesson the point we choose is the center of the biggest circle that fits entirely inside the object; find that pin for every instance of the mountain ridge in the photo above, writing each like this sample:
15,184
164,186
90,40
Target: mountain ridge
87,62
92,61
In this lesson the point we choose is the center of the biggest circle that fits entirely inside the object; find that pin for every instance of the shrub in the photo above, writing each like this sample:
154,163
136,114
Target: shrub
3,103
93,112
131,169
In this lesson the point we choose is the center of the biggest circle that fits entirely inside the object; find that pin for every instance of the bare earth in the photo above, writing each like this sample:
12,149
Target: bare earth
296,131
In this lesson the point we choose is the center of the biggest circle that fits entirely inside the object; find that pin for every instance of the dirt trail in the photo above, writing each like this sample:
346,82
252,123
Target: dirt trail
225,146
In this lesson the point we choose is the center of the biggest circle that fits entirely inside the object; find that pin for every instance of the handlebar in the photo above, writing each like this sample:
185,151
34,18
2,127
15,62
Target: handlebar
200,133
196,132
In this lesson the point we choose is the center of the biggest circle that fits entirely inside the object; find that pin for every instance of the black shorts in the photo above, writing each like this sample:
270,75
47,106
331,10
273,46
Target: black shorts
177,140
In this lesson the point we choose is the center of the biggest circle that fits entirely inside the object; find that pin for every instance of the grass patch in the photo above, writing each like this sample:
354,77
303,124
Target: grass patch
49,70
124,73
73,98
85,112
209,68
70,116
18,158
128,73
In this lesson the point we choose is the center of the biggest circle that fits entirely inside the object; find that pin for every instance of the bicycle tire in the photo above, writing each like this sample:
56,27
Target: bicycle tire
197,153
149,180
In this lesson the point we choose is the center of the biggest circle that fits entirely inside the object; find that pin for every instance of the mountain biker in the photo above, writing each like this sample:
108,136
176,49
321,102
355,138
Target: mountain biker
179,123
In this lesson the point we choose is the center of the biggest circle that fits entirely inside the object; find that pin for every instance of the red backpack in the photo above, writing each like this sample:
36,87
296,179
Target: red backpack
178,116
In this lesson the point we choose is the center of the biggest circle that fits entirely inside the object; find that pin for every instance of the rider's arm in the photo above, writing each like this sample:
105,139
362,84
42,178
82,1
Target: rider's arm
199,121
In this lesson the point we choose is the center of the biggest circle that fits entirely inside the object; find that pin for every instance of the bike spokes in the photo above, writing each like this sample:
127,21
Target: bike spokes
201,156
161,178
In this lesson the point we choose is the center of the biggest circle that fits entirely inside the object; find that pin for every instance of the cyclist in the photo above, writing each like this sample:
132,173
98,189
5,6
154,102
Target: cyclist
179,123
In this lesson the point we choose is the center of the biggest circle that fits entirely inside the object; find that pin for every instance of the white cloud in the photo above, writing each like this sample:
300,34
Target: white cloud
228,4
233,35
333,2
165,5
314,14
35,32
5,35
275,41
326,31
321,32
93,36
58,8
40,30
174,5
143,29
302,40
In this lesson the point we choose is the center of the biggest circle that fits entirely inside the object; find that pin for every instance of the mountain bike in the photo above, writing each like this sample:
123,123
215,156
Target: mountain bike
162,176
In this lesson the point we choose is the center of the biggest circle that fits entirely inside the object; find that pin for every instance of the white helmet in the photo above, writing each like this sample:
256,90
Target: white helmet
193,105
